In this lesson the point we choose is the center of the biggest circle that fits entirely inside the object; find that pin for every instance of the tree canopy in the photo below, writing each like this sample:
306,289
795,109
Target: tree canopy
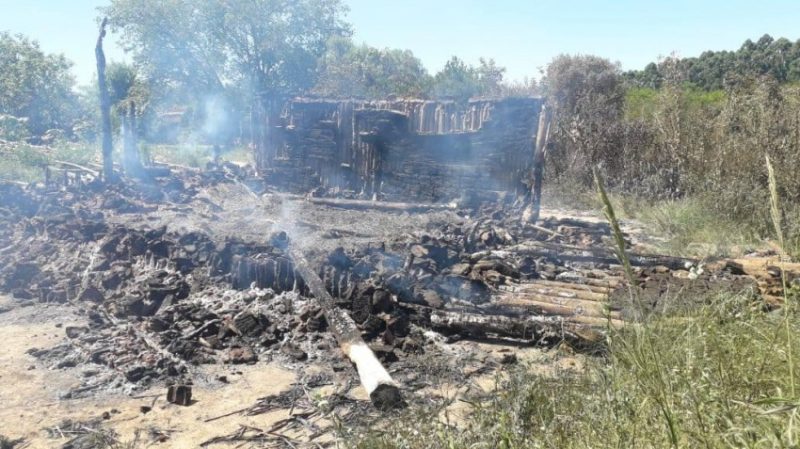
778,59
348,70
208,46
461,81
36,86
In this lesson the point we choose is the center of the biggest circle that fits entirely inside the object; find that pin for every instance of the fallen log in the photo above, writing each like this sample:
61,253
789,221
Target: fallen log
558,306
378,205
537,329
88,170
383,391
597,255
537,284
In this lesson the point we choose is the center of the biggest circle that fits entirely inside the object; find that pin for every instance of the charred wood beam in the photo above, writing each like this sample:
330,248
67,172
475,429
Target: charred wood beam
88,170
383,391
597,255
537,174
507,323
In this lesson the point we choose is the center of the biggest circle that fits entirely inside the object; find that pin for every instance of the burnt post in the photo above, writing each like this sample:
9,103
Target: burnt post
537,173
105,104
130,152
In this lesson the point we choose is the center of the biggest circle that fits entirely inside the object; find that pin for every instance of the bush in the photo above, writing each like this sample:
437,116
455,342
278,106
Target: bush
13,129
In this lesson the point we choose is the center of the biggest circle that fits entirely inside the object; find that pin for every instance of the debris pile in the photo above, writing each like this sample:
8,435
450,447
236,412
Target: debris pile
160,302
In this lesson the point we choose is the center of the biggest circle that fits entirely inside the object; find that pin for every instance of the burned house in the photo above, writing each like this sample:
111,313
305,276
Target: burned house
401,149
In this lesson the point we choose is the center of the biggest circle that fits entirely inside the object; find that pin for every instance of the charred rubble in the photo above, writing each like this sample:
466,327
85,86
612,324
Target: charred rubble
159,302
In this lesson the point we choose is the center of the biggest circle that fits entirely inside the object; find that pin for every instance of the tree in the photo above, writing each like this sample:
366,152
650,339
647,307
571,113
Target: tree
587,96
36,85
462,81
778,59
490,77
209,46
457,80
347,70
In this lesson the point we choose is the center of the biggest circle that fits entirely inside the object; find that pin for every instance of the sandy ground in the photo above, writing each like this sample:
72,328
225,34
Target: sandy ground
29,392
32,410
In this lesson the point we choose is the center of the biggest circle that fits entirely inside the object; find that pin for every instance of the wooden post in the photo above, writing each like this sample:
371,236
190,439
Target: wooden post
105,105
542,133
131,160
383,391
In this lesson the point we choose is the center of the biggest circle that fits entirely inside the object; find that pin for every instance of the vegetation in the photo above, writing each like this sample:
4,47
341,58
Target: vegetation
35,86
713,70
708,376
348,70
678,142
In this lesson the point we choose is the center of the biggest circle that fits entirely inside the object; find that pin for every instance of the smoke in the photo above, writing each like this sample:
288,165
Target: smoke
201,131
217,122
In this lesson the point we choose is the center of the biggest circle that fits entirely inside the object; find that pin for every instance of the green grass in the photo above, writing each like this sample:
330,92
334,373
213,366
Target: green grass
193,155
23,162
691,227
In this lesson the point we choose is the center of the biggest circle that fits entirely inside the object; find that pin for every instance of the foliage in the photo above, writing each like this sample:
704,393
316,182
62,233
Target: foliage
207,46
25,162
36,85
348,70
714,70
461,81
13,128
587,95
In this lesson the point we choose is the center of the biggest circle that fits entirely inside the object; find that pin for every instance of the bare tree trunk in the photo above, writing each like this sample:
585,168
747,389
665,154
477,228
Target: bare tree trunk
542,133
105,105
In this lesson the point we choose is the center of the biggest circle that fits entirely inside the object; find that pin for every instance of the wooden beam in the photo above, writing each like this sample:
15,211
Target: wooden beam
537,175
383,391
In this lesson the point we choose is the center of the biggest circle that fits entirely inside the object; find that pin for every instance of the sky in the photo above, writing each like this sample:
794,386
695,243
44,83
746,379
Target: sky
521,35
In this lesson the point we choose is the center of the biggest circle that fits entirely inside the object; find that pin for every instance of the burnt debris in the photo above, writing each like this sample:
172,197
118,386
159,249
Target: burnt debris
158,302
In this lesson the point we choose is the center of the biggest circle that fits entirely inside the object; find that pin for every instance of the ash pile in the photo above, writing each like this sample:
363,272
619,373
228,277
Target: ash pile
159,303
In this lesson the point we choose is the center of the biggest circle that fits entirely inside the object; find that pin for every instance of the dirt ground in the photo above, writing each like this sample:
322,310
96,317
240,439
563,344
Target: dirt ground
34,411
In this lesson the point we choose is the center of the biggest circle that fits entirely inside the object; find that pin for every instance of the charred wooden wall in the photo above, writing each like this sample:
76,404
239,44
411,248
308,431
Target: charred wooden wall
401,149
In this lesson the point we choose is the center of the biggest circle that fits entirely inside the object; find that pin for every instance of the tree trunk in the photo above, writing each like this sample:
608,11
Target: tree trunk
105,105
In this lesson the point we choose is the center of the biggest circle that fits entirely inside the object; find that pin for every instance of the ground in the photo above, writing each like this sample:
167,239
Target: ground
48,405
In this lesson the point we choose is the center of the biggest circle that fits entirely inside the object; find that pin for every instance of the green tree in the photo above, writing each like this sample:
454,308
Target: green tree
36,85
457,80
490,77
462,81
347,70
209,46
587,95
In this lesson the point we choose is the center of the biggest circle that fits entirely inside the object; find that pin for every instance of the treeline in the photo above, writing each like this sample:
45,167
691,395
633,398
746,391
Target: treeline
713,70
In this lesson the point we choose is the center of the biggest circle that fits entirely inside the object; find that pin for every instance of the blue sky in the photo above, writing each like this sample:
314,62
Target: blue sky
522,35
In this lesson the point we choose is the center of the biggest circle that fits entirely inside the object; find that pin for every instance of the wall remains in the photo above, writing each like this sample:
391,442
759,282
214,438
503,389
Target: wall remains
400,149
